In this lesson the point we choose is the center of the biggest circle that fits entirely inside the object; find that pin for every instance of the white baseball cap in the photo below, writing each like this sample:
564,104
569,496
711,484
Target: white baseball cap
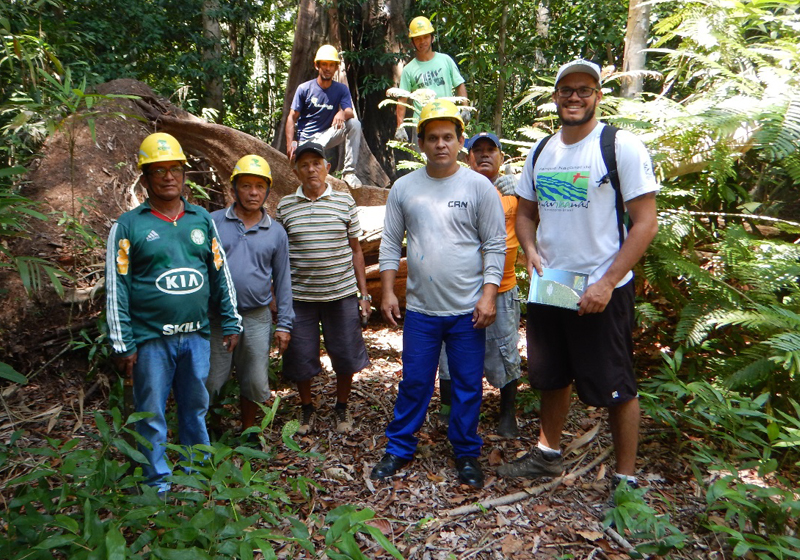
579,66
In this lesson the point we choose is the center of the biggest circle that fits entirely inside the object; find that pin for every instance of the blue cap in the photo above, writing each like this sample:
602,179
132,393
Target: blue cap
488,135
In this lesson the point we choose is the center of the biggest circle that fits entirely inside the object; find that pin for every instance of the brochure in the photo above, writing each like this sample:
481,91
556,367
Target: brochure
561,288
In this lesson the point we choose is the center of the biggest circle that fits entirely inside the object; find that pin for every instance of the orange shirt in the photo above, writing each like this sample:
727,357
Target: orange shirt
512,243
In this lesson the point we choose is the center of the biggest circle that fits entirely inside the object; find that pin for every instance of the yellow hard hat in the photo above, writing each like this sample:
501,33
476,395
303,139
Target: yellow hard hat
253,165
160,147
439,109
420,25
327,53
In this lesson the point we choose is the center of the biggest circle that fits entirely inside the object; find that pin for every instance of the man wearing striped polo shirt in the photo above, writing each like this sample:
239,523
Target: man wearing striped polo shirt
327,275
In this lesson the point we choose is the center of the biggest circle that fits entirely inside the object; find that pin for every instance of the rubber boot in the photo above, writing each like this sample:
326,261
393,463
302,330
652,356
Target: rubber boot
507,424
446,398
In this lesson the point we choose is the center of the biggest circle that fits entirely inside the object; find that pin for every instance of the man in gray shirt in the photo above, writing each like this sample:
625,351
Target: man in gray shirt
455,230
257,250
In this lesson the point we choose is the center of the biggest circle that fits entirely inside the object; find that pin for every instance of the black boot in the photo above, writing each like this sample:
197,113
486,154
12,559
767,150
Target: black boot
446,398
507,424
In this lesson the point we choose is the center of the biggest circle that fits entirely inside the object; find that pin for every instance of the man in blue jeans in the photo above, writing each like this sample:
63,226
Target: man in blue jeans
164,266
454,224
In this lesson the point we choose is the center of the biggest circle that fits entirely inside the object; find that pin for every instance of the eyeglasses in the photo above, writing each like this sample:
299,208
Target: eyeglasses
583,92
161,172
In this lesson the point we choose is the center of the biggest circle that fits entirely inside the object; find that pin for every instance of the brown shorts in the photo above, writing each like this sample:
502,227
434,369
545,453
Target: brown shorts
341,329
595,351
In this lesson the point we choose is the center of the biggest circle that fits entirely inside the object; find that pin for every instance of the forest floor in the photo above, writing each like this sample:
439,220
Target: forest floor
421,510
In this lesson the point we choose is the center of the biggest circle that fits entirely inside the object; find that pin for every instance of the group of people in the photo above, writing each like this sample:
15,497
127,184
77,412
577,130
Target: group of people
191,295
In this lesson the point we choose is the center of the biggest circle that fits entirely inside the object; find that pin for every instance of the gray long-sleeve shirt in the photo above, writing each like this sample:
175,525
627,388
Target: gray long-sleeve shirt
258,259
456,237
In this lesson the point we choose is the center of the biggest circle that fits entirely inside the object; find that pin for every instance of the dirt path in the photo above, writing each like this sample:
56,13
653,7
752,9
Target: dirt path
419,508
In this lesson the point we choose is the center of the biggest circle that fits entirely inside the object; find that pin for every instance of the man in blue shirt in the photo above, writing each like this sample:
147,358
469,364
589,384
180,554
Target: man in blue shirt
322,112
257,250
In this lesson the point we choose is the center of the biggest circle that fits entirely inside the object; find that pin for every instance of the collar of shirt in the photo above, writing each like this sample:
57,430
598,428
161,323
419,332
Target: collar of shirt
265,222
301,194
187,206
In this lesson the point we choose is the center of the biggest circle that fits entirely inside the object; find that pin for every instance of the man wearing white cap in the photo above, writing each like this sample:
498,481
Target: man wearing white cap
569,218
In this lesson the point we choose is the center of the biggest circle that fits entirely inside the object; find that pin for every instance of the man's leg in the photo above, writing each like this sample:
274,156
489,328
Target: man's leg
502,363
352,146
624,420
251,358
152,381
191,396
466,347
422,341
219,371
554,410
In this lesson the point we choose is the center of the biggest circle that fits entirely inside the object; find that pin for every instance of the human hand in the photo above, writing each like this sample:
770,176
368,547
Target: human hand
507,184
390,309
282,339
401,134
125,364
485,311
533,262
229,341
338,120
290,149
595,298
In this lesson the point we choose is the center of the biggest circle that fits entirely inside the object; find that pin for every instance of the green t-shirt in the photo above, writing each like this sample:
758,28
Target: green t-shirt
439,74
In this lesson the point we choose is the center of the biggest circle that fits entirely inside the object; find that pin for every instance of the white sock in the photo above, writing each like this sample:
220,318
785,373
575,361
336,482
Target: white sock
629,478
548,450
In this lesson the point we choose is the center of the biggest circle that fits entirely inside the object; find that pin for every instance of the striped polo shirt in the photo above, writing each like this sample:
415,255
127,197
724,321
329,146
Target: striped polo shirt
319,244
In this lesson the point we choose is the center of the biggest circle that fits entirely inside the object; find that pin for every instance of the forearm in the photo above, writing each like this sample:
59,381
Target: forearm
639,238
526,224
400,111
388,277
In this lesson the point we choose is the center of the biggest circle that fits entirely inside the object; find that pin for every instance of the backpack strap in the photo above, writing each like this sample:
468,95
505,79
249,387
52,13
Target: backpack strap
608,150
537,152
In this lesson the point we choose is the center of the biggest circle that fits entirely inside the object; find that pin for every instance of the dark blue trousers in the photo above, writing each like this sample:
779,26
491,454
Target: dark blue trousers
422,341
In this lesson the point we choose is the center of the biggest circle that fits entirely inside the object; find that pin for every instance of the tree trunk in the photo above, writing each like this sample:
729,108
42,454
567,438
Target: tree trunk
316,26
212,57
497,119
634,57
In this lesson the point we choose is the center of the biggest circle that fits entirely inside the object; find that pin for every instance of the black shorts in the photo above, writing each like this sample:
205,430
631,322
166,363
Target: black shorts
341,329
595,351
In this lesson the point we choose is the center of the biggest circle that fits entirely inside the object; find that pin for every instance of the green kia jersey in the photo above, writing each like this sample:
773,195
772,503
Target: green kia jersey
162,276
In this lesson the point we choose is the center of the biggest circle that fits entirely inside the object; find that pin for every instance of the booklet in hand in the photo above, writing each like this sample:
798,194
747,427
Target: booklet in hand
561,288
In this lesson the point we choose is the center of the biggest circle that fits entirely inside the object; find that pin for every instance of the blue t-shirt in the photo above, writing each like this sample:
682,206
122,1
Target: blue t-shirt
318,106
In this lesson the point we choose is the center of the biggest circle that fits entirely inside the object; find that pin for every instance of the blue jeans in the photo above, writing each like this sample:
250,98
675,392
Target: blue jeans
423,336
179,362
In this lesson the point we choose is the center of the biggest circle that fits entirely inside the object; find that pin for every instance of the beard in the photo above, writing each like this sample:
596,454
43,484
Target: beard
589,115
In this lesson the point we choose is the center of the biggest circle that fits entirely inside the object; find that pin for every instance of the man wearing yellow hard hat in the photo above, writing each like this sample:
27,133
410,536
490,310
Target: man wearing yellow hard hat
257,250
164,267
322,112
428,69
453,222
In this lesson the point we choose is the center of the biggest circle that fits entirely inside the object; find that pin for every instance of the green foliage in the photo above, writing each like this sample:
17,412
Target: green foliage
742,444
86,503
633,516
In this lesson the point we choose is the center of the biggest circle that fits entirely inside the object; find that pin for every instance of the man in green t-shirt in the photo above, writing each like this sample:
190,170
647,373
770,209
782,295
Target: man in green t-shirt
428,69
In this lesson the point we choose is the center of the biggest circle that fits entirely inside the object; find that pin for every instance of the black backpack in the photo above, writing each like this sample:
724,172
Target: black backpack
608,150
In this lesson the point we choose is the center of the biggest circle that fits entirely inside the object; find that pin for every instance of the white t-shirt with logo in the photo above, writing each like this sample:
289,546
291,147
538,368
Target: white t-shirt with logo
577,204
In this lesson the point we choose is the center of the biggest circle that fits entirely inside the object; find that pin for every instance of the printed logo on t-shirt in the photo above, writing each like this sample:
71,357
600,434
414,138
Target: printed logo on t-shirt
430,78
198,236
563,190
152,236
457,204
180,281
319,105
